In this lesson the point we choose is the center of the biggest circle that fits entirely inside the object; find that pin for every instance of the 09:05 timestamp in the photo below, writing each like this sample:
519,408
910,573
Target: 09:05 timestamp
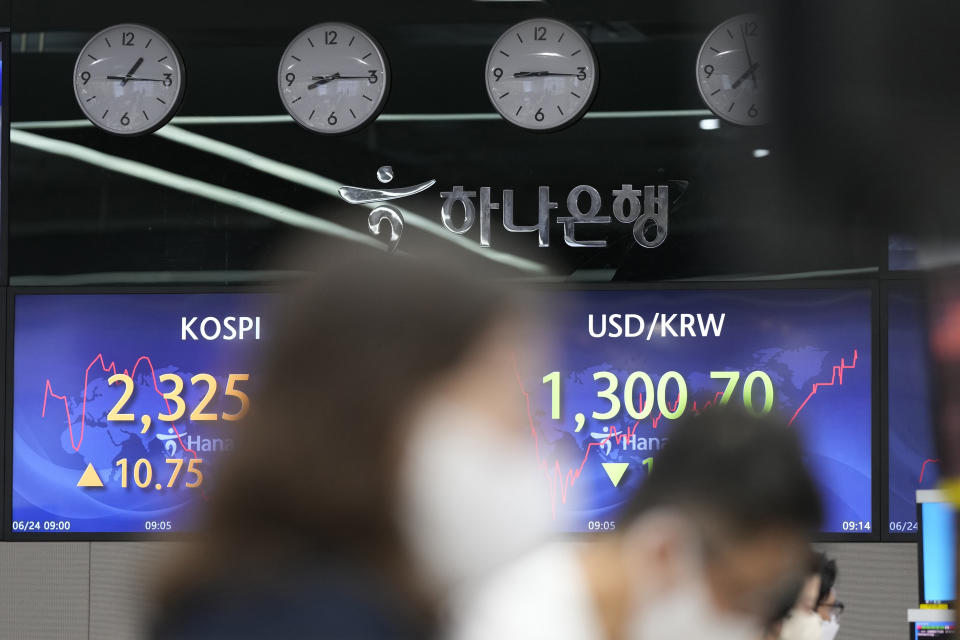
41,525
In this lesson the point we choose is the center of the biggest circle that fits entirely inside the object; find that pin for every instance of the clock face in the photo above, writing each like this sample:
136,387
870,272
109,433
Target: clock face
732,68
541,74
128,79
333,78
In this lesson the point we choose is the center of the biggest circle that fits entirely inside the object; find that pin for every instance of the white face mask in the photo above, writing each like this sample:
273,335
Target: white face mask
829,628
689,612
801,625
470,498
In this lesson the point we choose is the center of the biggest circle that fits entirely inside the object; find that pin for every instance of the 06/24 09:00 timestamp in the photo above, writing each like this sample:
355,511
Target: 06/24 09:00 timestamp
41,525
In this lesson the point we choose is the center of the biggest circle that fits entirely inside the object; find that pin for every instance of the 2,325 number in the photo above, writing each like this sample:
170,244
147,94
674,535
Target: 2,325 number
199,413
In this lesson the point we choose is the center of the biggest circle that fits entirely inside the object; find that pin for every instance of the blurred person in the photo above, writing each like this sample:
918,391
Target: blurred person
379,466
828,607
710,547
803,621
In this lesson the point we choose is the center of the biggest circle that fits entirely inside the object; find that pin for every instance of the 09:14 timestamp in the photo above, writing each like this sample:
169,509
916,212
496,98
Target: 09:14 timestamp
856,525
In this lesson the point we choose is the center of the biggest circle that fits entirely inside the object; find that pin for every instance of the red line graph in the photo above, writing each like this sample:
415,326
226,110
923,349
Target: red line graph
111,368
836,378
924,467
561,481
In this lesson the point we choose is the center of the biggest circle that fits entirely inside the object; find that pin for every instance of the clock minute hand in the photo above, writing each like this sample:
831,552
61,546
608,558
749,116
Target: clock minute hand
749,72
128,78
539,74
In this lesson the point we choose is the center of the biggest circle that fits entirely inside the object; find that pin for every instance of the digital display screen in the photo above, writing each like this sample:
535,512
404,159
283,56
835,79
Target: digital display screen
913,463
626,364
934,630
939,552
122,404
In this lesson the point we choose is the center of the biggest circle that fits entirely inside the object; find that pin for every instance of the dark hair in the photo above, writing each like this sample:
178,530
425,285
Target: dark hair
828,578
361,341
739,472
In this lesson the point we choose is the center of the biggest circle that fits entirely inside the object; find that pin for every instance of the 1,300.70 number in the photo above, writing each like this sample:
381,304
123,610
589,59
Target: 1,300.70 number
198,413
659,397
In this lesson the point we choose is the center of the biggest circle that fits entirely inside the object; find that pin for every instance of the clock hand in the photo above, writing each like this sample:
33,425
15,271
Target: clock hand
746,47
539,74
748,72
126,78
133,70
336,76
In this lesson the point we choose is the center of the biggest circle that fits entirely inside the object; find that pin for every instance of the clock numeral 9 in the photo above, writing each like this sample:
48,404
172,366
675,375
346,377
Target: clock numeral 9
125,119
373,76
290,77
498,73
539,33
167,79
708,70
581,73
127,39
330,37
538,116
332,118
752,112
85,76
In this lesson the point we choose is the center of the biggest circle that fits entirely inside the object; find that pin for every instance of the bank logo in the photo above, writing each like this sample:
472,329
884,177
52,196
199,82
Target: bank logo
646,208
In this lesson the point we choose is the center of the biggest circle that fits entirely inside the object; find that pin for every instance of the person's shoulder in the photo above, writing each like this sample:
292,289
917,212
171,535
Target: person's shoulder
540,596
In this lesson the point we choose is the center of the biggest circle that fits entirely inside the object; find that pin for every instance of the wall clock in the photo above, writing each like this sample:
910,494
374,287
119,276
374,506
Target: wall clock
732,71
129,79
333,78
541,74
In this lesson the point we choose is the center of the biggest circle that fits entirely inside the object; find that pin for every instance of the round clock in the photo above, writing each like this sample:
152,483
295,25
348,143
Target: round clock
541,74
129,79
730,71
333,78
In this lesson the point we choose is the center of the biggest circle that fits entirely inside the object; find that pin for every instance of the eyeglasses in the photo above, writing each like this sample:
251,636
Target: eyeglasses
835,608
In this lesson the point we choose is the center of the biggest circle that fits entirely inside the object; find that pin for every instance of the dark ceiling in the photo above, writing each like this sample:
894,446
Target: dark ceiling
791,211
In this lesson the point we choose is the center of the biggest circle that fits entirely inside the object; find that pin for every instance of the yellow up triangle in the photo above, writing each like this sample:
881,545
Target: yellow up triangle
615,470
91,479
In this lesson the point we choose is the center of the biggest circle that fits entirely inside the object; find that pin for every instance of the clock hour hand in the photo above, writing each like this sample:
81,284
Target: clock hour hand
319,80
133,70
749,72
539,74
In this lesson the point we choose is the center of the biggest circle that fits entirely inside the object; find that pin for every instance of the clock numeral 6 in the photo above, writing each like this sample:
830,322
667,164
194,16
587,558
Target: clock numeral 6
752,112
290,77
125,119
332,118
85,76
708,70
498,73
538,116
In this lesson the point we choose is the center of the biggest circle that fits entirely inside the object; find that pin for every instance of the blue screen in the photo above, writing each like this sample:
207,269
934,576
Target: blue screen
939,552
73,430
806,351
934,630
913,463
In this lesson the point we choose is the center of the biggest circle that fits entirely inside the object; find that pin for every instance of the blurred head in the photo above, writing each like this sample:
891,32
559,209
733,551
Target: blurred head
384,430
827,605
718,532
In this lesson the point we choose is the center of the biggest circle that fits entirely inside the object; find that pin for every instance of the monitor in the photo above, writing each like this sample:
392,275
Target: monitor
937,549
938,630
121,405
627,363
912,457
